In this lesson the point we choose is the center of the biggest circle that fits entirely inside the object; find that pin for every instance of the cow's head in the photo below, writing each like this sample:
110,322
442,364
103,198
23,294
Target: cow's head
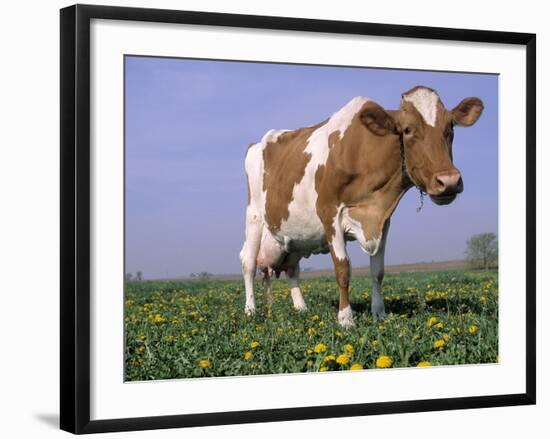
425,128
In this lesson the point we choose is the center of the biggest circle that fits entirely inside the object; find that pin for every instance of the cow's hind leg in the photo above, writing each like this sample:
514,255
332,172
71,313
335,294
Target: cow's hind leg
293,275
377,276
267,286
249,254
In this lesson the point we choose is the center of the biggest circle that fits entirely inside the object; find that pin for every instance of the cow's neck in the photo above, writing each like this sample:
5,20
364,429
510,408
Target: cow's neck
377,179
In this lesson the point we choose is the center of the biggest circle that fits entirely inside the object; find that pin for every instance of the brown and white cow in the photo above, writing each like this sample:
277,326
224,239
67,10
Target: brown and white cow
313,189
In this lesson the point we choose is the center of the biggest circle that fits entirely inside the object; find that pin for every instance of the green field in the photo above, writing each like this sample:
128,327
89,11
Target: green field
182,329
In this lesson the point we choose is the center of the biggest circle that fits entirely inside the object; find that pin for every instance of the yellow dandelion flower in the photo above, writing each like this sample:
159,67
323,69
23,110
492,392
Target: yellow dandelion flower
384,361
254,344
446,337
311,331
309,351
194,331
472,329
338,334
416,337
356,366
314,318
328,359
439,325
248,355
321,347
439,344
323,369
158,318
432,321
343,359
204,363
349,348
424,364
375,342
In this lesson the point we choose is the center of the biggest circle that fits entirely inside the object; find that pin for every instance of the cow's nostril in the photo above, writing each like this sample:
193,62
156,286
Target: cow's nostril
440,183
448,183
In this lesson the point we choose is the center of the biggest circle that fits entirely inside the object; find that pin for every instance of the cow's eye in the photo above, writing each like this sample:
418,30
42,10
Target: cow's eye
407,130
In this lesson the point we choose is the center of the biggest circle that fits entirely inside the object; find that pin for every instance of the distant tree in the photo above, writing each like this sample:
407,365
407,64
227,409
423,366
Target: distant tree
139,275
193,275
128,277
204,275
482,250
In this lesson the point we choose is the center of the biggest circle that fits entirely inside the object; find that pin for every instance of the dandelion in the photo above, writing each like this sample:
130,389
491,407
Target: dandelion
248,355
321,347
328,359
384,362
323,369
424,364
349,348
254,344
205,363
343,359
472,329
439,325
432,321
356,366
439,344
338,334
314,318
311,331
375,342
309,351
194,331
158,318
416,337
446,337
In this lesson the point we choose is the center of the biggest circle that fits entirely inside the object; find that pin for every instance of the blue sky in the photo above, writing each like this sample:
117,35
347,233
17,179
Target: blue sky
189,122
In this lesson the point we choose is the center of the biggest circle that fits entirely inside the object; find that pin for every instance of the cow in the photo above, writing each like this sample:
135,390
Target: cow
312,189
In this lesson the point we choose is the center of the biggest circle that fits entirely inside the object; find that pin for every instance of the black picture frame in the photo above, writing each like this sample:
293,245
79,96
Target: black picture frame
75,217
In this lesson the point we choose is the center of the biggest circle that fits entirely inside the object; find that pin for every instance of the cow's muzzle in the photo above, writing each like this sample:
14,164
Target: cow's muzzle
446,186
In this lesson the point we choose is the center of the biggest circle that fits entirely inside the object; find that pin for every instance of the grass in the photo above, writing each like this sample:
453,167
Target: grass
183,329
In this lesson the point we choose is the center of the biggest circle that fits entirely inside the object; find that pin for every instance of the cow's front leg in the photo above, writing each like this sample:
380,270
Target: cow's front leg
377,275
342,268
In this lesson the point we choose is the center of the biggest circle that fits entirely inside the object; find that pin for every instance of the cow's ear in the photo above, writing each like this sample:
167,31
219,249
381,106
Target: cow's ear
467,112
378,120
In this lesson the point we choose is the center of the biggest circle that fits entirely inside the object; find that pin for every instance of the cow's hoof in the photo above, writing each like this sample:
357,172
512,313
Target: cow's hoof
379,315
345,318
249,310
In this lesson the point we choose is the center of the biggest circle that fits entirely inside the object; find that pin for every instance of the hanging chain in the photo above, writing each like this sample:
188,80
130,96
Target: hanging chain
419,208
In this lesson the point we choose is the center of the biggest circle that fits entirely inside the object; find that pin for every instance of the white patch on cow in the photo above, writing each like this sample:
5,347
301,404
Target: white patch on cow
425,101
271,136
345,317
303,228
338,242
